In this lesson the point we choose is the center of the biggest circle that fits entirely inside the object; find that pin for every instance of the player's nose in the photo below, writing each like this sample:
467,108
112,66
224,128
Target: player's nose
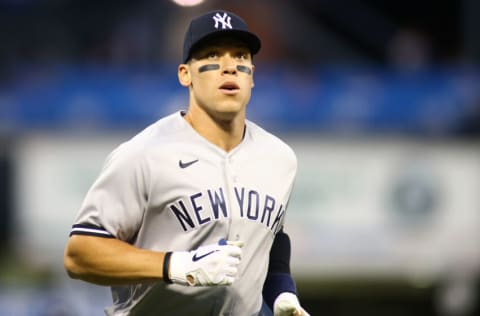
228,65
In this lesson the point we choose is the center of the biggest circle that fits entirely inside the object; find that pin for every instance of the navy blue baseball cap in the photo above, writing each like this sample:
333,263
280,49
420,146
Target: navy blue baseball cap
216,23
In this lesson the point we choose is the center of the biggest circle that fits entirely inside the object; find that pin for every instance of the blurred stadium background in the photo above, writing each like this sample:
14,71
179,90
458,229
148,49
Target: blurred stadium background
380,100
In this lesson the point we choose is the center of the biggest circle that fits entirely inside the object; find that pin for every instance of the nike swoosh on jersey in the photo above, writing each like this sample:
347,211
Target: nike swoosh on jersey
196,258
183,165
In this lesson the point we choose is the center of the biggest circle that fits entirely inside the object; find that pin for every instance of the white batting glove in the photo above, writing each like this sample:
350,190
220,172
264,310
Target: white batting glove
215,264
287,304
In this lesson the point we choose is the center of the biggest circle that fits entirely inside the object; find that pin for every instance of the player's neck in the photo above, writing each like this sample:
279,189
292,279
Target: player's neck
226,134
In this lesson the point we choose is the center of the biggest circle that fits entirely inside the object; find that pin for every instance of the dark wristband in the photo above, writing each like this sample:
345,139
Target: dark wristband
275,284
166,267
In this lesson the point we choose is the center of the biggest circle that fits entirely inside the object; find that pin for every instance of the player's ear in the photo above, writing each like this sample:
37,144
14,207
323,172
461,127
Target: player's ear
253,71
184,75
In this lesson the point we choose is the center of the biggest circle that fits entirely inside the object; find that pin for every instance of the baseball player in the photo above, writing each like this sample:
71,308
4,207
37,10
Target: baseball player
186,218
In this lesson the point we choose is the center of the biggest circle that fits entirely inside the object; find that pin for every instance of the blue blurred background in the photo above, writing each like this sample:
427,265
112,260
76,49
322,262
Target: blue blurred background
379,99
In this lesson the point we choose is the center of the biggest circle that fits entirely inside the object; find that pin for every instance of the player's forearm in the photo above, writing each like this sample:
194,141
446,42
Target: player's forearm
108,261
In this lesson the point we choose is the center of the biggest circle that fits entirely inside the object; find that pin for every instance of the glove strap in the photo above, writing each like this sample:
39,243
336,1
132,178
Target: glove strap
166,268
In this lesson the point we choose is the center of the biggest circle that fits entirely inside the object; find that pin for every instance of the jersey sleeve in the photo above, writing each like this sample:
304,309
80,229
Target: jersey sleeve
115,204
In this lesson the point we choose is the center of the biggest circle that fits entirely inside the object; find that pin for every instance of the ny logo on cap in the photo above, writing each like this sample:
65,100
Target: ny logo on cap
224,20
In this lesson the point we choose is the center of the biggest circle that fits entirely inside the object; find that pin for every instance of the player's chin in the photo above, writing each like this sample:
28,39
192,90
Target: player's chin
229,110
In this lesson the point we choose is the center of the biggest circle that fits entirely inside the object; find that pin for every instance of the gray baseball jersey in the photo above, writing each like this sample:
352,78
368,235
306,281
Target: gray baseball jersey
169,189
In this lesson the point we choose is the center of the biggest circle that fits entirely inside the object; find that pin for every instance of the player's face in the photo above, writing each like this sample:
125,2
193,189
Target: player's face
220,77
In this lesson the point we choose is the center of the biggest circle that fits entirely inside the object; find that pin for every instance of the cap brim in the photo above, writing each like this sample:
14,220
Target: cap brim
252,40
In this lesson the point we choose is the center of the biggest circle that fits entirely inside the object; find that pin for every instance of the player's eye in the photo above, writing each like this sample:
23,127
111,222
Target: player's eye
212,55
242,56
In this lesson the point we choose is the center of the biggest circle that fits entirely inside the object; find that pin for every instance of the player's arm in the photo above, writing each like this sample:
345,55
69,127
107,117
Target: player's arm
279,290
110,261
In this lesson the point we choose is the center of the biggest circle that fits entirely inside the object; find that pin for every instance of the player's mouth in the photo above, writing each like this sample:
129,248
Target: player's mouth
229,88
